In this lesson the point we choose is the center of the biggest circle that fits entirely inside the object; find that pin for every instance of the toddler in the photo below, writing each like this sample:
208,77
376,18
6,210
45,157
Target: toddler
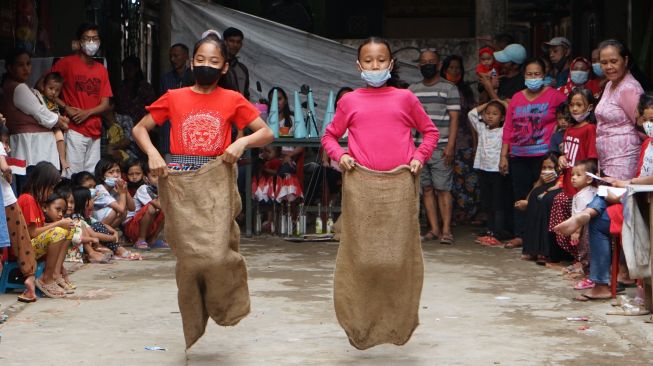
52,84
486,63
564,120
493,183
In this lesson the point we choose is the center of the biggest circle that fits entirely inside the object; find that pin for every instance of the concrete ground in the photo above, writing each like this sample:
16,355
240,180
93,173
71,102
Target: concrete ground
480,306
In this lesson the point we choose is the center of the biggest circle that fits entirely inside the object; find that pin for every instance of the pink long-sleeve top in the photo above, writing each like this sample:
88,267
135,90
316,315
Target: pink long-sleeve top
380,123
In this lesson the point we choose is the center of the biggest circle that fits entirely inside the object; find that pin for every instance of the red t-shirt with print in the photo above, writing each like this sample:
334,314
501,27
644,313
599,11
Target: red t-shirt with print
84,86
31,210
579,144
200,124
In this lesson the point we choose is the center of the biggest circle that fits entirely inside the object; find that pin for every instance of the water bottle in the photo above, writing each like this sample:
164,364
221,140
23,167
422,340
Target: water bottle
257,227
318,219
302,220
284,222
290,224
329,228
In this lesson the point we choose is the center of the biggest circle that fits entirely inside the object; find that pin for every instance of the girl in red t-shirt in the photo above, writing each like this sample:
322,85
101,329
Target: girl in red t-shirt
49,235
201,116
579,144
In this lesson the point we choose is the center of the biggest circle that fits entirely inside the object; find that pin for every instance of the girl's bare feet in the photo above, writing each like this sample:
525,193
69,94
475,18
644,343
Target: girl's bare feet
572,224
30,288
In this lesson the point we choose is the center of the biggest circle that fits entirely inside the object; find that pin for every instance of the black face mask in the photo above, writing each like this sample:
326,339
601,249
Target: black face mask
135,185
428,71
206,75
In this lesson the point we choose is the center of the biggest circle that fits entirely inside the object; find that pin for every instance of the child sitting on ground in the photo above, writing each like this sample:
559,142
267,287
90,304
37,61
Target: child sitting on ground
80,238
84,179
144,224
493,184
112,200
538,241
49,231
107,236
52,84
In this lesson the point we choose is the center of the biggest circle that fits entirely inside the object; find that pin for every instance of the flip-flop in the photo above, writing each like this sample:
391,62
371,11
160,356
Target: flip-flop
446,239
629,310
429,236
585,298
25,299
513,243
585,284
50,290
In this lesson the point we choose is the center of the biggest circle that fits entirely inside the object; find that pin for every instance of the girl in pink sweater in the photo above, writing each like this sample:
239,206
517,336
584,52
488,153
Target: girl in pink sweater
380,119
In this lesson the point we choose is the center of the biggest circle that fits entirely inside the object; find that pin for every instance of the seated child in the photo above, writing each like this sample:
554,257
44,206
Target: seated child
49,231
145,222
86,180
52,84
112,200
104,234
538,243
134,175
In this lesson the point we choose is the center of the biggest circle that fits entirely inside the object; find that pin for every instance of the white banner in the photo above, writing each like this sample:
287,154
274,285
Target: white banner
275,54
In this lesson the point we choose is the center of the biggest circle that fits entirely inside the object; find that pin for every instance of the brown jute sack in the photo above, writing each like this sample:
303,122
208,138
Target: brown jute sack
200,208
379,268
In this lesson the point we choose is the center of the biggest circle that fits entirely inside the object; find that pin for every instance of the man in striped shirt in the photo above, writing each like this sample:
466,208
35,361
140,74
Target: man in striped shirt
441,102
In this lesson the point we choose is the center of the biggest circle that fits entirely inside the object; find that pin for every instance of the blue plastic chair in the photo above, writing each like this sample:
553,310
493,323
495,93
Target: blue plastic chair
11,277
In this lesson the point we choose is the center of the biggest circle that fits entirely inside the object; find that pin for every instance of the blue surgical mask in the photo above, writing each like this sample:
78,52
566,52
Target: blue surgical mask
93,192
110,182
598,71
579,77
376,78
534,84
548,80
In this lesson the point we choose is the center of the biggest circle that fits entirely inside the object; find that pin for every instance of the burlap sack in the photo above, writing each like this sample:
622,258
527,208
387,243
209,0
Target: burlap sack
200,208
379,268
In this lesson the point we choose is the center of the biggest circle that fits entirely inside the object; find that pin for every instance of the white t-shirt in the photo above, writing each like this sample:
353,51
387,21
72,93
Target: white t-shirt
647,162
582,198
8,195
102,198
141,199
488,151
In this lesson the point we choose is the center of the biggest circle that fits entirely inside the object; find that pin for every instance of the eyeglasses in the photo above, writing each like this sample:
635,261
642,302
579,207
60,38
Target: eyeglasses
91,39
